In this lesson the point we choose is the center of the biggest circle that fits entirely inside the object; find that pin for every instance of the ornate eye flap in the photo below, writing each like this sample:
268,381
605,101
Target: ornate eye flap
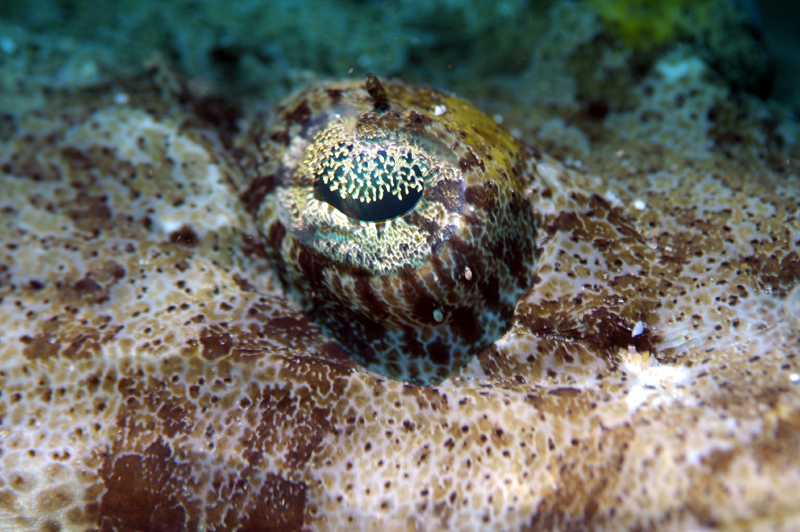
372,181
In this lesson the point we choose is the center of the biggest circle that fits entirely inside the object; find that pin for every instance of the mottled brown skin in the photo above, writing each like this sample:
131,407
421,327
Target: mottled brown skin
155,376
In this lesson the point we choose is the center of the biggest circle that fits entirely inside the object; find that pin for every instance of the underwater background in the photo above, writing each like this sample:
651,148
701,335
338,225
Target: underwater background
481,49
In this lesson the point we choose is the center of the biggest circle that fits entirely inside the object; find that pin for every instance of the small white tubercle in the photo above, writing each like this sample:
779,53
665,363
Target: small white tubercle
467,273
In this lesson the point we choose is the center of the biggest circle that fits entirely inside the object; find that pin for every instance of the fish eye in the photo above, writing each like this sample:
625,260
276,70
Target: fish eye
402,231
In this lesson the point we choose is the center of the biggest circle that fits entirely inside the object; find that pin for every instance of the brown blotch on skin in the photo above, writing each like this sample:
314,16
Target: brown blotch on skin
628,280
41,347
176,419
515,254
599,207
483,197
428,226
335,95
489,285
417,122
251,247
622,225
89,213
448,192
280,506
86,290
76,158
185,236
51,526
565,392
274,239
359,336
438,353
87,285
244,284
567,221
35,285
300,114
258,189
147,491
335,353
470,161
116,270
464,321
368,297
719,461
778,274
221,113
790,267
427,397
216,344
83,346
384,121
312,266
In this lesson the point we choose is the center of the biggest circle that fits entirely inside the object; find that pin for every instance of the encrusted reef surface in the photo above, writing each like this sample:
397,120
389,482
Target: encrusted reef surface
155,376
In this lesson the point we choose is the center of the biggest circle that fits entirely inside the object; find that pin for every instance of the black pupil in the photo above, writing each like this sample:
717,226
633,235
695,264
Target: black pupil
396,201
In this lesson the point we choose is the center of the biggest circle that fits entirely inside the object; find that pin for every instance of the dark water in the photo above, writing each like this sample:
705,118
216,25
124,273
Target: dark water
266,48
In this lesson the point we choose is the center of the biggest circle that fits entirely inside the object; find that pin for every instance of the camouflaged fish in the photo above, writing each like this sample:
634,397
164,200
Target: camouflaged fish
375,309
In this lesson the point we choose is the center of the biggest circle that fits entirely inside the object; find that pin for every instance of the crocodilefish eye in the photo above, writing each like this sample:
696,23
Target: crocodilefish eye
396,217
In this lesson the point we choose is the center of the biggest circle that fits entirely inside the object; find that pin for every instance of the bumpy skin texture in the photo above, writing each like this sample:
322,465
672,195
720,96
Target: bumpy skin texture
415,296
154,375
